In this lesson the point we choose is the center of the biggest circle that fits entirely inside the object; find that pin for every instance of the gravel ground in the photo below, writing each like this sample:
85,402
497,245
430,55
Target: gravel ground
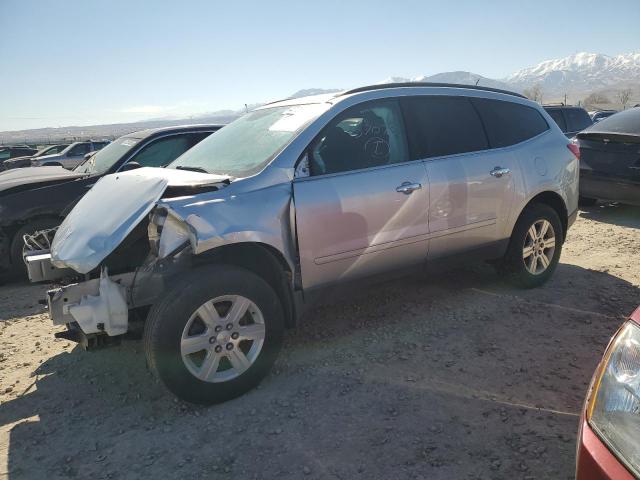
440,376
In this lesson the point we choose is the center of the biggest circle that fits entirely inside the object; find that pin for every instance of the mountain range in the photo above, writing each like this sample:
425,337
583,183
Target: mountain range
575,76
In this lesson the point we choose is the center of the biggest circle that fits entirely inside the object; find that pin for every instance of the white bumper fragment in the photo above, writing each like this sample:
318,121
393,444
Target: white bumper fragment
106,312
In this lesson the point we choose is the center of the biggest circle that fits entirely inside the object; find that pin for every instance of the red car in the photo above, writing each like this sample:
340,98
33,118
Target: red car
609,436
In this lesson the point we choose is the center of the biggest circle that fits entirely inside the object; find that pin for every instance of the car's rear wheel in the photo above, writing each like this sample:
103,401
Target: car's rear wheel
215,335
535,246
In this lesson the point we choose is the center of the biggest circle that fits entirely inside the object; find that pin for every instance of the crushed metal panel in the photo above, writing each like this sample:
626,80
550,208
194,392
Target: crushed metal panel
107,311
111,210
218,218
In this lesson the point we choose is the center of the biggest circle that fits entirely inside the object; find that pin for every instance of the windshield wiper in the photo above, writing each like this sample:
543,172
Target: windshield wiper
191,169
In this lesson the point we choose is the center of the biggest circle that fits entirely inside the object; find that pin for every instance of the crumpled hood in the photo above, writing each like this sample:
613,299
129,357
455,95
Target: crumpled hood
103,218
32,175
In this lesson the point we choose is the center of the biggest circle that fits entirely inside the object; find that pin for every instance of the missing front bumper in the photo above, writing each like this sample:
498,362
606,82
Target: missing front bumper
97,306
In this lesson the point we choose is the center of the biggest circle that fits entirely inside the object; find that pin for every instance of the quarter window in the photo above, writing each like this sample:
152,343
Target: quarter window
508,123
444,126
364,136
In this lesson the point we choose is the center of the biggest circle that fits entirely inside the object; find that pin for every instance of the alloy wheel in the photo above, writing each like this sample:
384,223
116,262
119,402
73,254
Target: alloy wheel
539,247
222,338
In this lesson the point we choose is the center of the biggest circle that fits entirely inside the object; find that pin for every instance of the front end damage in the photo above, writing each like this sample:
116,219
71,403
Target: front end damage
124,243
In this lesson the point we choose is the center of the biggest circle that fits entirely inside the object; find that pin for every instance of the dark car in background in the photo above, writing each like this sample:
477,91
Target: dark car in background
571,120
7,153
609,434
601,115
610,159
25,161
38,198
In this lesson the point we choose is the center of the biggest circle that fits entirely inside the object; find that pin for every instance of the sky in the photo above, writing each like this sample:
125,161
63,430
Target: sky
84,62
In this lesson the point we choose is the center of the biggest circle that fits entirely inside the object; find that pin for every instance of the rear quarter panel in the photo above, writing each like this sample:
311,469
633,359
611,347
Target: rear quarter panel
545,164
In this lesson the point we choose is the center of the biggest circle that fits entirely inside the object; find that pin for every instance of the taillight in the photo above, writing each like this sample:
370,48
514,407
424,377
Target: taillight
575,149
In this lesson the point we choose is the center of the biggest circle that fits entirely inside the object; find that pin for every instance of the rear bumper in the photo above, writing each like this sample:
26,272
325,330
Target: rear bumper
595,461
592,186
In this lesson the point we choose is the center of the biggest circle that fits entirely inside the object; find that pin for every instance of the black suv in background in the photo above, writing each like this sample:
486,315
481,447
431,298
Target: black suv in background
571,120
38,198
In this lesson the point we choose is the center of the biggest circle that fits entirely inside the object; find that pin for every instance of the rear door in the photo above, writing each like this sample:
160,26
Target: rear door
471,186
362,209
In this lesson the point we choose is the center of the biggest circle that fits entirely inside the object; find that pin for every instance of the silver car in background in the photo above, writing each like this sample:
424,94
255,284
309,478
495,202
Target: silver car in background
70,157
225,247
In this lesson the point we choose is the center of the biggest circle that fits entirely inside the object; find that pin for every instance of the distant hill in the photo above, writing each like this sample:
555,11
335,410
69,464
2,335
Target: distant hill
575,76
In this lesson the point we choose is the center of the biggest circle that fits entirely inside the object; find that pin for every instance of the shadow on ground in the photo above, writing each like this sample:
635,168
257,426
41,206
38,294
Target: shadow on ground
433,376
614,213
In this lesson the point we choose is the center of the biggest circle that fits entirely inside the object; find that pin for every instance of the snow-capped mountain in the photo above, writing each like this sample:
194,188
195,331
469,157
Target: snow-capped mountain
581,72
459,77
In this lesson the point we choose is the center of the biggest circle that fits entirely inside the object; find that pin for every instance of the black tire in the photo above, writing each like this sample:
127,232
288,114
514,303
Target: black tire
168,318
587,202
18,267
513,264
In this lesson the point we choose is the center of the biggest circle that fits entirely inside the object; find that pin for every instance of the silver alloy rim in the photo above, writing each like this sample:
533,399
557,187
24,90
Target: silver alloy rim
222,338
539,247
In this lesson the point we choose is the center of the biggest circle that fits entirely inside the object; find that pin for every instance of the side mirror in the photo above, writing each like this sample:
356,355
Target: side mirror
88,155
130,166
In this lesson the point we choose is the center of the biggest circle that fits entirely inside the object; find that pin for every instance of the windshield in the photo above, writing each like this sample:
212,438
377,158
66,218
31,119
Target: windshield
105,158
247,145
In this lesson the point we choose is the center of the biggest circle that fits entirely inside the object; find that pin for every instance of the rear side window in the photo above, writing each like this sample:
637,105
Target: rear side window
577,119
509,123
558,118
444,126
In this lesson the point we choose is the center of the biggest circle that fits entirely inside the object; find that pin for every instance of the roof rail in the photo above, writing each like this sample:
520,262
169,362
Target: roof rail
383,86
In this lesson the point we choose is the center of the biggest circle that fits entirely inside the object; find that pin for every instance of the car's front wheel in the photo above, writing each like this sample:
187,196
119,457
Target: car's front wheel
215,335
535,246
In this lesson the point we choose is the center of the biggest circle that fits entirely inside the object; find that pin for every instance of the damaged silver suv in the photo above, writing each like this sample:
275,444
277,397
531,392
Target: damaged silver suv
218,253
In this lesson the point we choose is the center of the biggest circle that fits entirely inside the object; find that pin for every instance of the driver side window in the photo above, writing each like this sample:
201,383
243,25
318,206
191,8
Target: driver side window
163,151
364,136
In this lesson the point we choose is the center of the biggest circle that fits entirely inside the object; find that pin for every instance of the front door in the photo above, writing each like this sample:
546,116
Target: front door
363,208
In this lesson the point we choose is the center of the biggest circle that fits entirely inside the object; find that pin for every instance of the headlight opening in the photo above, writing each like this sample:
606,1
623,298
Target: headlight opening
613,410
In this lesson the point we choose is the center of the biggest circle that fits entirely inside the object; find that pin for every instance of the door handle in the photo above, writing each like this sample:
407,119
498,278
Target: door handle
499,172
408,187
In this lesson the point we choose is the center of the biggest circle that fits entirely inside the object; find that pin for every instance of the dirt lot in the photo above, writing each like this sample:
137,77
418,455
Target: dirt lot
441,376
